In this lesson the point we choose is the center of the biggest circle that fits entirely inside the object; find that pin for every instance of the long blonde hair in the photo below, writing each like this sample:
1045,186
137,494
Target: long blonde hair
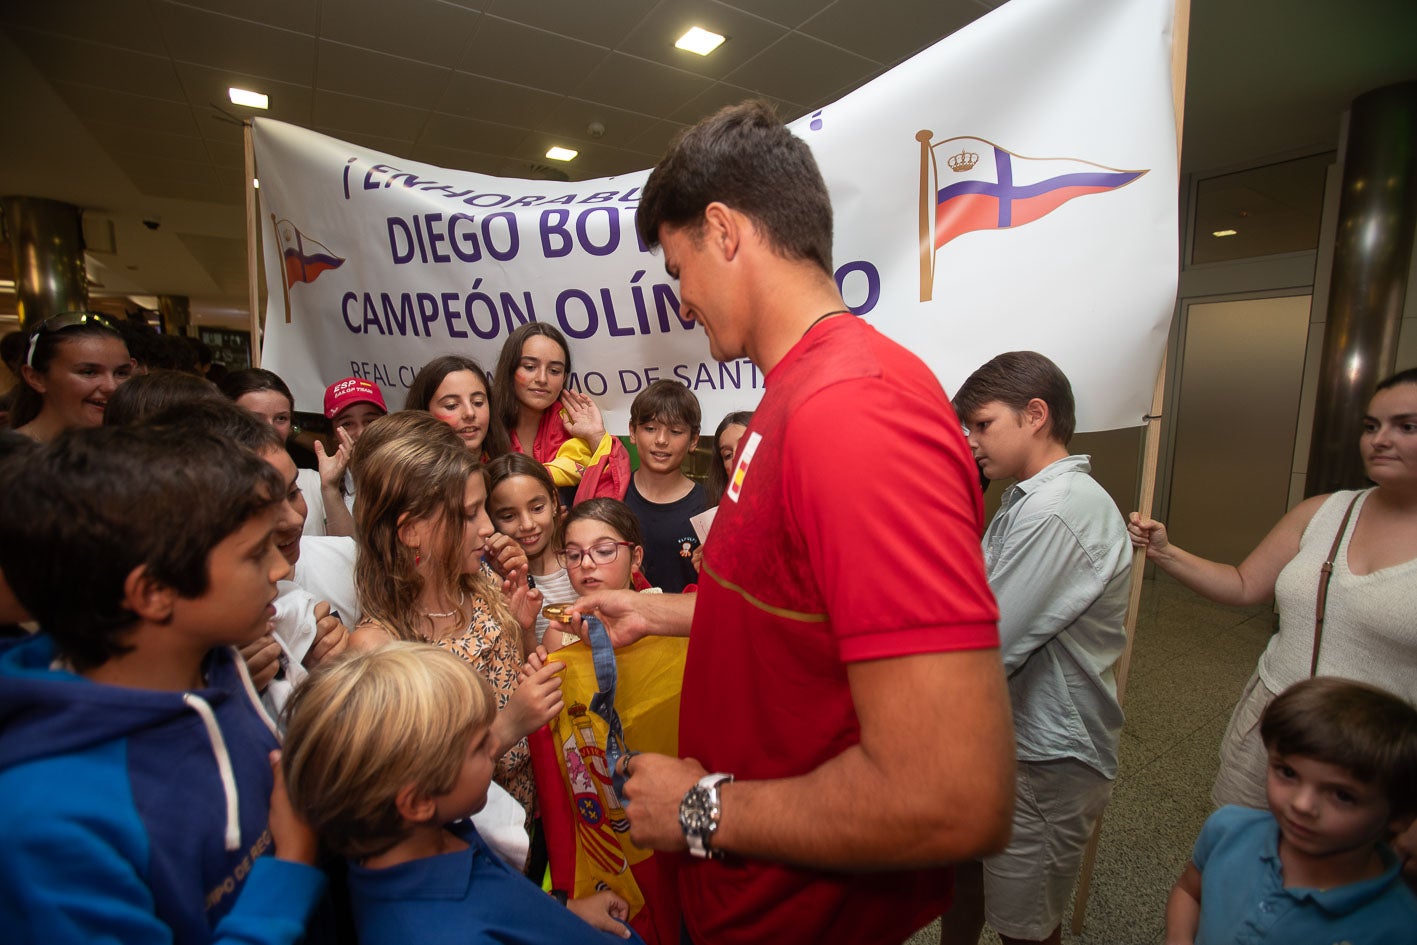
364,727
408,467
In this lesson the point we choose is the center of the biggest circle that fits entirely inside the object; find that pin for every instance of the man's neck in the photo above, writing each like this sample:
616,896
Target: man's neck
662,487
789,297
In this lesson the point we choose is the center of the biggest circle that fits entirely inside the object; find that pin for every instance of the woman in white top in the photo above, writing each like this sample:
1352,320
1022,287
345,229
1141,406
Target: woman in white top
1368,631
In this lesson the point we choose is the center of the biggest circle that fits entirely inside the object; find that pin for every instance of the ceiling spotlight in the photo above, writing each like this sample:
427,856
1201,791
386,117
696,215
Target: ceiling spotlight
559,153
249,99
1224,233
699,41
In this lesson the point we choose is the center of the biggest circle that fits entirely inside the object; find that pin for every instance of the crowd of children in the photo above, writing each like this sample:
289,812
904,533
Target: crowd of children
199,597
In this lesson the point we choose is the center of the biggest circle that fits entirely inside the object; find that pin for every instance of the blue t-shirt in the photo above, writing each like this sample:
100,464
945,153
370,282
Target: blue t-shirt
462,898
1243,899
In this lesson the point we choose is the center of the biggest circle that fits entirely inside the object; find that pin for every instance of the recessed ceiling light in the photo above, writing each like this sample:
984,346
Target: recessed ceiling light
1224,233
699,41
249,99
559,153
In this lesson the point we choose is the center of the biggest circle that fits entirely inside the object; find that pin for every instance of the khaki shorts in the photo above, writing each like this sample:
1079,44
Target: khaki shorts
1027,887
1244,763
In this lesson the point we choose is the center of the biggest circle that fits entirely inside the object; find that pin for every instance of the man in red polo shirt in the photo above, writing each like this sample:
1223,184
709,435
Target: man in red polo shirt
843,681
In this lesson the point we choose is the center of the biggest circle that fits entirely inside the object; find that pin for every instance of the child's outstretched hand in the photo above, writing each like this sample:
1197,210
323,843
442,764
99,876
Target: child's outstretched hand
536,702
291,835
604,910
524,600
503,554
333,465
534,661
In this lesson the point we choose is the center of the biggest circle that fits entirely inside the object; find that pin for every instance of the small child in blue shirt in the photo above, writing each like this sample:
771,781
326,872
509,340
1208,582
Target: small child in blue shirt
1315,867
386,753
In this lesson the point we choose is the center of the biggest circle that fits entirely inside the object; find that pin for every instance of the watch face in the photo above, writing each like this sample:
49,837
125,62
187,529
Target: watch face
695,814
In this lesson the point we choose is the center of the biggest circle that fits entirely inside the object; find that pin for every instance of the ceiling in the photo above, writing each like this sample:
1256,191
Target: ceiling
119,106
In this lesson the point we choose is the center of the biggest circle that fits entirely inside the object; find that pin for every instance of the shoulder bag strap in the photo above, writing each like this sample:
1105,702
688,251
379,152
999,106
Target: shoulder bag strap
1324,577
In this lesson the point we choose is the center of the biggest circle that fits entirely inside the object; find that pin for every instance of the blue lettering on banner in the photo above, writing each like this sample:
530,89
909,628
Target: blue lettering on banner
487,314
719,375
873,285
428,238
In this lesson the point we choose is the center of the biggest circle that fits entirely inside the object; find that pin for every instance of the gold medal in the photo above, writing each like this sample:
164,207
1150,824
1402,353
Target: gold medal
560,613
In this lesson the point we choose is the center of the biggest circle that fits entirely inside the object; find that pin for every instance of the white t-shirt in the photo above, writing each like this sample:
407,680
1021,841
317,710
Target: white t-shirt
555,588
309,482
326,571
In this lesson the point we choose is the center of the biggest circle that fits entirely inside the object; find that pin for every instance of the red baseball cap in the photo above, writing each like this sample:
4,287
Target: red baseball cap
351,391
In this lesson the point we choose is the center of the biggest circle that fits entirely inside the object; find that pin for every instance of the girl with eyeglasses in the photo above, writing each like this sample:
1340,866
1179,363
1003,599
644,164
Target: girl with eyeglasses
74,363
602,548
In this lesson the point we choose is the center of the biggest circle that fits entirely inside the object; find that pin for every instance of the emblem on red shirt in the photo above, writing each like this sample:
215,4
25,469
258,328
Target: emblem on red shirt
740,472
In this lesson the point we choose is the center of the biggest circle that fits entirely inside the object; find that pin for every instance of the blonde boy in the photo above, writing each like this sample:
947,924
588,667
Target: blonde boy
387,752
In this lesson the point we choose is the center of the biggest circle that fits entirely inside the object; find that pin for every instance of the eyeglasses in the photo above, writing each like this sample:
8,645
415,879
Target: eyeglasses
66,320
603,553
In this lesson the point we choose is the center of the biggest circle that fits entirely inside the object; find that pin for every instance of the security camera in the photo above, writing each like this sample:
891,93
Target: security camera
152,224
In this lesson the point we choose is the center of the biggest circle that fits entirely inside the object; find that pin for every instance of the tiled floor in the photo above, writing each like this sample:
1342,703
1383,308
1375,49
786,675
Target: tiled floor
1189,662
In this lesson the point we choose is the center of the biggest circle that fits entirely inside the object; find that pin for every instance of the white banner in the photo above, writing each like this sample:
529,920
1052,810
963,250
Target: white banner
1014,186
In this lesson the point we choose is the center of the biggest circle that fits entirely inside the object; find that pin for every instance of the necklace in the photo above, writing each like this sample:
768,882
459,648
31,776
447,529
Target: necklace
450,613
821,318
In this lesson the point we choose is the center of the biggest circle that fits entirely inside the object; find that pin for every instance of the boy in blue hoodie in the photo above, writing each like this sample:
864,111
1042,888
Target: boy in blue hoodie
140,802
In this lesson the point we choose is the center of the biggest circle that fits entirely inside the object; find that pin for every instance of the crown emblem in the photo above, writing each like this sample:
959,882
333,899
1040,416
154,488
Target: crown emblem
963,161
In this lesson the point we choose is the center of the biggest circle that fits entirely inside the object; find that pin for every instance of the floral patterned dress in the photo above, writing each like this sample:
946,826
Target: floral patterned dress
494,652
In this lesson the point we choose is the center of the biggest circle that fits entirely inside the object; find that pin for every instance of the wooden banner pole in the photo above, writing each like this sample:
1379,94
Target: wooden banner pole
253,290
1151,450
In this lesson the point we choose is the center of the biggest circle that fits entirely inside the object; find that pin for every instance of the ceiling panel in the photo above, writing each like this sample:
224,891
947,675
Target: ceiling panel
350,113
298,16
224,42
119,138
571,119
642,86
475,96
146,165
224,259
64,59
603,24
887,32
725,93
217,191
509,51
789,13
655,139
798,68
427,30
449,131
356,71
125,23
139,112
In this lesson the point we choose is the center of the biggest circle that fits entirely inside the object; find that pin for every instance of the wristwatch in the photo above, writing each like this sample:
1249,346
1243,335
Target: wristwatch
699,813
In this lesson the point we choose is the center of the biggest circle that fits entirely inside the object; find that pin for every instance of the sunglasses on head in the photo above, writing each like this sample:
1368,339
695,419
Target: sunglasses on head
66,320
